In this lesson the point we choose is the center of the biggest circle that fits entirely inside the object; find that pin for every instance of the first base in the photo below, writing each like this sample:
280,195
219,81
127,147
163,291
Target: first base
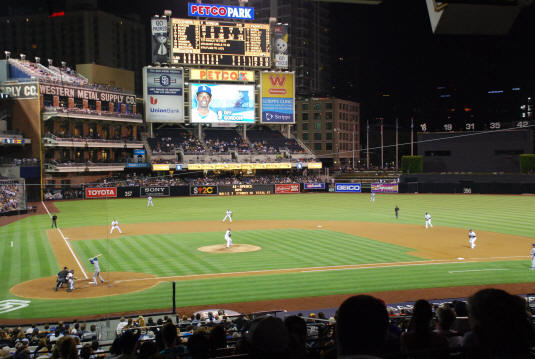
460,258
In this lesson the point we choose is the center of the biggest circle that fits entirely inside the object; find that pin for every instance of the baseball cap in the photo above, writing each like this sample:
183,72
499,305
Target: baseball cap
204,88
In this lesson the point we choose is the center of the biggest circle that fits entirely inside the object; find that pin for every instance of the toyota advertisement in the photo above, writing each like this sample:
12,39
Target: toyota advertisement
163,94
278,93
222,103
347,187
104,192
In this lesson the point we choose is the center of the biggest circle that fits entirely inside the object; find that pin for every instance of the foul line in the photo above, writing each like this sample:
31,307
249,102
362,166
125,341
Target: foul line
322,269
67,243
475,270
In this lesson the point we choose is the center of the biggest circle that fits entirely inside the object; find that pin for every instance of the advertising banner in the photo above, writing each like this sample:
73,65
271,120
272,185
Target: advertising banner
155,191
236,166
23,90
163,94
127,192
104,192
85,93
280,48
160,34
277,97
160,167
137,165
287,188
220,11
203,190
221,75
347,187
139,152
314,165
319,185
223,103
385,187
245,189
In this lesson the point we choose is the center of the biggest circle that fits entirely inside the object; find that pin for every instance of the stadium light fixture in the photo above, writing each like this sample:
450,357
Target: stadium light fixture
63,64
37,59
50,62
168,13
22,57
8,54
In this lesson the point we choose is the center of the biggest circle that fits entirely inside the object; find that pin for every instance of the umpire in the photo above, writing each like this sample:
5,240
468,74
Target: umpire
54,223
62,278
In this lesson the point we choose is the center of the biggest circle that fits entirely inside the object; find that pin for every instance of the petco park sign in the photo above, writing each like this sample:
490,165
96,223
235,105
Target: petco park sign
107,192
221,11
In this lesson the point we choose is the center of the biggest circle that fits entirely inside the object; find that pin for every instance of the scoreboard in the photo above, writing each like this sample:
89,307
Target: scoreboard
245,189
220,43
459,126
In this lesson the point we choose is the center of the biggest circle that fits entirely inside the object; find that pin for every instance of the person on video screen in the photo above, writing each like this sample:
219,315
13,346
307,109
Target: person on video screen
203,113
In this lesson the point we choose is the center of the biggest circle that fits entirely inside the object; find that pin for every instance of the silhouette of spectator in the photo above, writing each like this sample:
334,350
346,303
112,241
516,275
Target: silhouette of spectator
172,348
461,323
65,348
361,327
199,345
500,326
420,341
218,339
268,338
129,341
147,349
445,318
297,330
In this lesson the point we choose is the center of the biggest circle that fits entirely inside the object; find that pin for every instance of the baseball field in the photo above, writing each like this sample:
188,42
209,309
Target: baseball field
288,250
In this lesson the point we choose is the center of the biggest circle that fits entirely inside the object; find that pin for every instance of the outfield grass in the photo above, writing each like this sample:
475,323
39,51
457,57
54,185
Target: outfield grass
176,254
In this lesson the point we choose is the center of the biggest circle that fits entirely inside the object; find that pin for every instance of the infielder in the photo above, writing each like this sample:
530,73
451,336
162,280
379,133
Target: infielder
96,273
533,257
149,202
472,238
228,238
428,220
114,226
372,197
228,215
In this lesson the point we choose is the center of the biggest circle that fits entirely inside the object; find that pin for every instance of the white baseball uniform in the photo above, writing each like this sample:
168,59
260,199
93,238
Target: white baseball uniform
70,281
228,238
428,220
372,197
228,215
533,257
96,273
472,239
114,226
149,202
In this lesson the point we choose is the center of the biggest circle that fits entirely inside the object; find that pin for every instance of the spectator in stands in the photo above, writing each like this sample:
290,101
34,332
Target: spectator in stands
120,326
86,351
461,324
147,349
218,339
361,327
5,354
445,318
500,324
420,341
297,331
268,338
65,349
21,349
172,348
199,345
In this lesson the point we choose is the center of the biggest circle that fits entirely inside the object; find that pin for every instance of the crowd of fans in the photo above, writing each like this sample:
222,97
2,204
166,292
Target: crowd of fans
30,161
9,196
492,325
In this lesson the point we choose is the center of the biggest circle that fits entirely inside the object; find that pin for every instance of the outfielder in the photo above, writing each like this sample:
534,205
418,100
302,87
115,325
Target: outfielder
149,202
114,226
428,220
472,238
372,197
533,257
228,238
228,215
96,273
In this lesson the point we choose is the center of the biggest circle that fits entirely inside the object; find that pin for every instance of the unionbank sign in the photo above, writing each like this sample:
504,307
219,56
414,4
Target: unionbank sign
220,11
278,93
347,187
163,92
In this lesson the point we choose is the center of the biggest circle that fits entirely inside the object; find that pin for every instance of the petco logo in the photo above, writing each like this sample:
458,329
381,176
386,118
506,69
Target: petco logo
10,305
221,11
347,187
109,192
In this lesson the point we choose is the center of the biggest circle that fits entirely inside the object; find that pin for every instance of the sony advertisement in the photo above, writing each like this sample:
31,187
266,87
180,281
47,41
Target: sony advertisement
222,103
278,93
163,93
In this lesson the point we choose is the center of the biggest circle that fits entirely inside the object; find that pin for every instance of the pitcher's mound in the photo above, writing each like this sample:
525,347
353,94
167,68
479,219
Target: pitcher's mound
235,248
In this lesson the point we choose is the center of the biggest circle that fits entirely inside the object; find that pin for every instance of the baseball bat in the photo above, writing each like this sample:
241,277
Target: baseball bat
98,255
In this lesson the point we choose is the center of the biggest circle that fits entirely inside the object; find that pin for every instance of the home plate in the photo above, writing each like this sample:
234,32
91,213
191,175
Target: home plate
460,258
319,226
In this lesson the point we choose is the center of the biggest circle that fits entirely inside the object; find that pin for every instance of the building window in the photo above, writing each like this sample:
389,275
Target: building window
329,146
317,146
329,135
304,126
304,116
317,116
317,106
329,126
305,106
328,105
317,136
305,136
329,115
317,125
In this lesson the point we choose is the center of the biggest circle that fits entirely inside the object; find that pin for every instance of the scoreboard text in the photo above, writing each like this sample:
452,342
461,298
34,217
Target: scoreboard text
245,189
220,43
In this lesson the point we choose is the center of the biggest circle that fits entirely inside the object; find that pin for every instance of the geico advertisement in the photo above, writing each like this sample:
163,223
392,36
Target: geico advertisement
163,94
277,102
222,103
347,187
105,192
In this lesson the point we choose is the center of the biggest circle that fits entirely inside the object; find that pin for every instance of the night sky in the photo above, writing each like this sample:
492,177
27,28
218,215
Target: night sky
390,49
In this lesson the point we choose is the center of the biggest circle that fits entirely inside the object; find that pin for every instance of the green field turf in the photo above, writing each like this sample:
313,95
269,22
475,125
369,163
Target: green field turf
176,254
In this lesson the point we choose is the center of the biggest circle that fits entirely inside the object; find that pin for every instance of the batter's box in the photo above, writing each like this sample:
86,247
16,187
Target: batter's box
10,305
